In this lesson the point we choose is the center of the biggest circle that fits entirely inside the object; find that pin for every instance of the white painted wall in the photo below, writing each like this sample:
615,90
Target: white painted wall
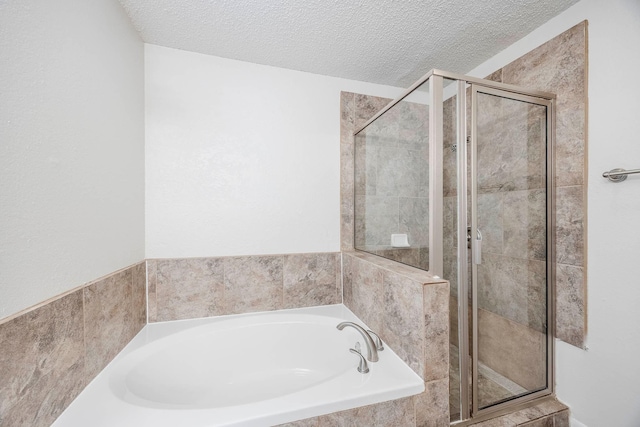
241,159
71,147
602,385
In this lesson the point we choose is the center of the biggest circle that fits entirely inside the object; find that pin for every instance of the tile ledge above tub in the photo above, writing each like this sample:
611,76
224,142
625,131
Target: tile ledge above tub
399,268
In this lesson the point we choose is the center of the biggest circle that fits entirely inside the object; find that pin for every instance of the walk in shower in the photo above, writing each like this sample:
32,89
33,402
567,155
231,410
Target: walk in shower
456,177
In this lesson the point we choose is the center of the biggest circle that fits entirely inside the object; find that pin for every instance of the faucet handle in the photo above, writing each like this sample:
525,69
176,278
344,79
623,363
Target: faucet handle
363,367
376,339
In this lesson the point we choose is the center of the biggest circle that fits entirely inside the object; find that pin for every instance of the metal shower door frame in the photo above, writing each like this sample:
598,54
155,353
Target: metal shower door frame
473,411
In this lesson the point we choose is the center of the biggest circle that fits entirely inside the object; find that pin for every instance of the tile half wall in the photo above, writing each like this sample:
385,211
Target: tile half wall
186,288
49,353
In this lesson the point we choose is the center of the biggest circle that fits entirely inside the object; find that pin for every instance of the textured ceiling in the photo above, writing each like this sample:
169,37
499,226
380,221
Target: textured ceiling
391,42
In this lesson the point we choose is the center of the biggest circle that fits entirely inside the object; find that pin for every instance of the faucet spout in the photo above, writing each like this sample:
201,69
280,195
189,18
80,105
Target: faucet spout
372,352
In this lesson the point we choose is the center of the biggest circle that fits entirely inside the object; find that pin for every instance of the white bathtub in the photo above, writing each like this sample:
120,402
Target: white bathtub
247,370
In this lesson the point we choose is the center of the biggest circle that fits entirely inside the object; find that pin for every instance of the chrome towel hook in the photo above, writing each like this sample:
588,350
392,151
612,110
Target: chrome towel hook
619,175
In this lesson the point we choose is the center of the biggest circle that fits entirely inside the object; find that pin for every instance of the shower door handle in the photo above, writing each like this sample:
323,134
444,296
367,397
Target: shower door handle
478,248
477,245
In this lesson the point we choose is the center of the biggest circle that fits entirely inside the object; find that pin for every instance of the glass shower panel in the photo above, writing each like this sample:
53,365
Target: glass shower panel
392,182
510,266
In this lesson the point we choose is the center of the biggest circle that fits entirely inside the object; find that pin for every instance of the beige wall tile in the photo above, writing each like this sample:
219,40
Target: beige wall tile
524,224
109,319
391,182
398,412
496,422
204,287
42,362
541,422
403,322
509,157
366,106
491,221
152,300
496,76
570,225
347,126
355,110
436,331
311,279
561,419
405,270
253,283
432,405
537,295
189,288
549,413
139,294
502,286
559,66
449,139
410,256
537,411
570,305
348,271
521,358
367,294
59,347
414,220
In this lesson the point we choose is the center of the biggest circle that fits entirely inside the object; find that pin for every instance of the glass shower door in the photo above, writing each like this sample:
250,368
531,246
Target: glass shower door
510,228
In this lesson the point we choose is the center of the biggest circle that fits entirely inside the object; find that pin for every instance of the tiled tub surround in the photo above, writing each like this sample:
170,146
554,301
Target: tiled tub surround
409,308
187,288
406,298
52,351
205,372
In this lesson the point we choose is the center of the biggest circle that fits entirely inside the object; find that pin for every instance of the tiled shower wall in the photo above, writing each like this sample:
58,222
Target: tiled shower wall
51,352
392,184
511,216
558,66
355,111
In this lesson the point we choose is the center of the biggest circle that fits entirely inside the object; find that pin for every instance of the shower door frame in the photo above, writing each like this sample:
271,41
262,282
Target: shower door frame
473,412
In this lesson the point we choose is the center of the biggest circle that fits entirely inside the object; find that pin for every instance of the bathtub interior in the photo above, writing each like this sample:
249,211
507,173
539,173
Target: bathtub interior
248,370
266,366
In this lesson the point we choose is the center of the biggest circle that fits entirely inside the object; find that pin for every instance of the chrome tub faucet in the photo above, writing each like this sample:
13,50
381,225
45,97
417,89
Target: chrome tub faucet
372,348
